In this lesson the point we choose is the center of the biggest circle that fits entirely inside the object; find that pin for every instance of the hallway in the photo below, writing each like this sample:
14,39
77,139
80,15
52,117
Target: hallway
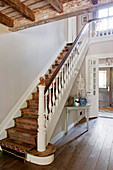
93,150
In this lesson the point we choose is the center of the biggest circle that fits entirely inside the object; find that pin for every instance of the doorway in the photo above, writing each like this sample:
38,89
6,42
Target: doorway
106,91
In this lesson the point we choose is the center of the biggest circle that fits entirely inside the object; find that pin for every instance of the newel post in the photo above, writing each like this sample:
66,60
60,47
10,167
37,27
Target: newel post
41,143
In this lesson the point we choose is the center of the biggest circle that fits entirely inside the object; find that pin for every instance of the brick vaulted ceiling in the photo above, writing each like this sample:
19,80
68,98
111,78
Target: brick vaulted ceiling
21,14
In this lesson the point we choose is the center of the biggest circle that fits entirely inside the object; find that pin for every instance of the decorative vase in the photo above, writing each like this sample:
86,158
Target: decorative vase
70,101
83,101
76,101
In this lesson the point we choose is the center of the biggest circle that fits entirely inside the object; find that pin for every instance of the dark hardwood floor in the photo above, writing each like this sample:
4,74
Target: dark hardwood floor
78,150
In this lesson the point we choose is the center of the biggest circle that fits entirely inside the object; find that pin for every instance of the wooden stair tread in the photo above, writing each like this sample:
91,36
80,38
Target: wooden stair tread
18,144
33,100
25,118
29,121
34,110
35,93
20,130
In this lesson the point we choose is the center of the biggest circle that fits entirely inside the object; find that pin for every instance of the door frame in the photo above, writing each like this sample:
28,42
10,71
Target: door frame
100,56
92,92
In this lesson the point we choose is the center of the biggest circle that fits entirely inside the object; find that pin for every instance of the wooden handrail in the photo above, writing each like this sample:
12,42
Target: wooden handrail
62,62
68,53
96,19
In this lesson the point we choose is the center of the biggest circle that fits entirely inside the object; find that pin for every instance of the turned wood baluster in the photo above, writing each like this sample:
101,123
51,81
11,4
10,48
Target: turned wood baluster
56,79
59,85
99,28
46,107
70,66
54,96
75,62
65,75
71,62
41,120
67,72
69,69
94,29
90,32
50,103
62,80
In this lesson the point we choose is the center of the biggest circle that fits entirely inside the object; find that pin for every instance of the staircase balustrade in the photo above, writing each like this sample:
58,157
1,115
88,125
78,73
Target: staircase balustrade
101,27
58,84
35,126
61,79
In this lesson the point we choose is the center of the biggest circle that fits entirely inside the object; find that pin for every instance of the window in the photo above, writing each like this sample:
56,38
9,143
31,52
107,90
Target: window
105,23
105,12
102,79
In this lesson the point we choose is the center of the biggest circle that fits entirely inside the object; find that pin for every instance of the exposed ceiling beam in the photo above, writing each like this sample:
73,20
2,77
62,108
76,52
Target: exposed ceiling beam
21,8
6,20
57,17
57,4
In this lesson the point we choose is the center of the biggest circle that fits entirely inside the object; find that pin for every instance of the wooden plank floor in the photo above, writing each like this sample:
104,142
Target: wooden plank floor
78,150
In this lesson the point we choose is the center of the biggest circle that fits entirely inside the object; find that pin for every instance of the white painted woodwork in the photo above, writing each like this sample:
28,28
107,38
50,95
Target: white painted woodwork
92,68
67,81
40,160
53,86
72,32
50,104
102,27
41,140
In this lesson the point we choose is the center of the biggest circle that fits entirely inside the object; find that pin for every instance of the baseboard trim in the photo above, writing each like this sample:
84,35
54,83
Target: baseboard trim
8,121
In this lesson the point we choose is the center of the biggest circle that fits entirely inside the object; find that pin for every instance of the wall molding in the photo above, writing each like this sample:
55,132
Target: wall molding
8,121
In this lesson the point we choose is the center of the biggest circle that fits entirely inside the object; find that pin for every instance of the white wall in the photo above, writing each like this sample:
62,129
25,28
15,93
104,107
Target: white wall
23,55
105,47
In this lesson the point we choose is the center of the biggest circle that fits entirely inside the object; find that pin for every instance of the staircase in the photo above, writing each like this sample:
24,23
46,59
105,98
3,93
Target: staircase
23,136
29,138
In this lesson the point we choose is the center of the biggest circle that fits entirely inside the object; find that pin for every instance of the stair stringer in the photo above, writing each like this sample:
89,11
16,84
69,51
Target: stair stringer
55,117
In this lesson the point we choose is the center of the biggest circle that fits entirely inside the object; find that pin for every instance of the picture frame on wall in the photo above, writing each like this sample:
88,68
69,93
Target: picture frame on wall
84,19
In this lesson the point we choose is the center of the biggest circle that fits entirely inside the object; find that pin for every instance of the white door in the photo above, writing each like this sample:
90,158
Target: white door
92,70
